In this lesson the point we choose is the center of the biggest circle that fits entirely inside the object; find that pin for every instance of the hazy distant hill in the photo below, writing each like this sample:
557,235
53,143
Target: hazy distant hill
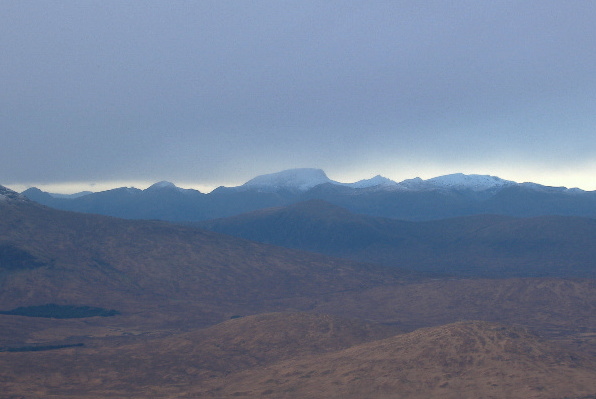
413,199
482,245
163,202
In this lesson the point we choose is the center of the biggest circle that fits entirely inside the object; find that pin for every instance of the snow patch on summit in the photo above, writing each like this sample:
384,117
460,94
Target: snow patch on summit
306,178
456,181
472,182
294,179
162,184
7,194
166,185
377,181
71,196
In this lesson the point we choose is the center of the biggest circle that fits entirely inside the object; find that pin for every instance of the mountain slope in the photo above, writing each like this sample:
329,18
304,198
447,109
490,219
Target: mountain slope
47,255
554,307
463,360
181,361
313,225
483,245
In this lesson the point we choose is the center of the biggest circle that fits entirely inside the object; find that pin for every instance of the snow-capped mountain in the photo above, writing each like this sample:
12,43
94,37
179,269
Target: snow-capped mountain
161,185
412,184
412,199
459,181
7,194
75,195
304,179
377,181
301,179
164,185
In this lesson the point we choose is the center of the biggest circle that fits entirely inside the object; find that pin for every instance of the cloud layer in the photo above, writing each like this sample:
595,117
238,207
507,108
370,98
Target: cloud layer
215,92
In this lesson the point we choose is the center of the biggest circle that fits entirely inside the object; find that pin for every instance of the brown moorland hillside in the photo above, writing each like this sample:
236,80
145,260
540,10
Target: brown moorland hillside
555,307
463,360
287,355
559,309
74,258
163,366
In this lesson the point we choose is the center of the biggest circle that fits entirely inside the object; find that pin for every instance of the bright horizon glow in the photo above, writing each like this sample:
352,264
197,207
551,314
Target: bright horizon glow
546,178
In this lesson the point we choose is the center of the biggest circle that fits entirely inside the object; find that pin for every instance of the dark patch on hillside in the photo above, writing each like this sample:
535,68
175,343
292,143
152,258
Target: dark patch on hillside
13,258
38,348
60,311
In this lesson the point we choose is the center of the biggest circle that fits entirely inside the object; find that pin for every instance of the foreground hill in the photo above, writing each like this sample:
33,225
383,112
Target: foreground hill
188,359
288,355
464,360
481,245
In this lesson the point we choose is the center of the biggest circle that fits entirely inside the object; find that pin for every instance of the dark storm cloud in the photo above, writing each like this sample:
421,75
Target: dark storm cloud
188,91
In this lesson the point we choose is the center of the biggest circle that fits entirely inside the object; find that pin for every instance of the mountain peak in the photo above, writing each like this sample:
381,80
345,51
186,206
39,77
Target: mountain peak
161,185
376,181
70,196
301,179
472,182
7,194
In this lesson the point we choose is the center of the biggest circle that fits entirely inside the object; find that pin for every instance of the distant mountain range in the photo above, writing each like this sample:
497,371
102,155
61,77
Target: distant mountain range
413,199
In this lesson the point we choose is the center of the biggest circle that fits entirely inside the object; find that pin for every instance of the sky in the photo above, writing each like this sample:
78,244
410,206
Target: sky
103,94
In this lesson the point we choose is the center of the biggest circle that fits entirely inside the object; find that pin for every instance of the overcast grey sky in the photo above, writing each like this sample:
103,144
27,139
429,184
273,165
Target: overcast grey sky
207,93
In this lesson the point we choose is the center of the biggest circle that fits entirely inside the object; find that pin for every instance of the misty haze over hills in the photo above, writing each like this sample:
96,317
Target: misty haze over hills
412,199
